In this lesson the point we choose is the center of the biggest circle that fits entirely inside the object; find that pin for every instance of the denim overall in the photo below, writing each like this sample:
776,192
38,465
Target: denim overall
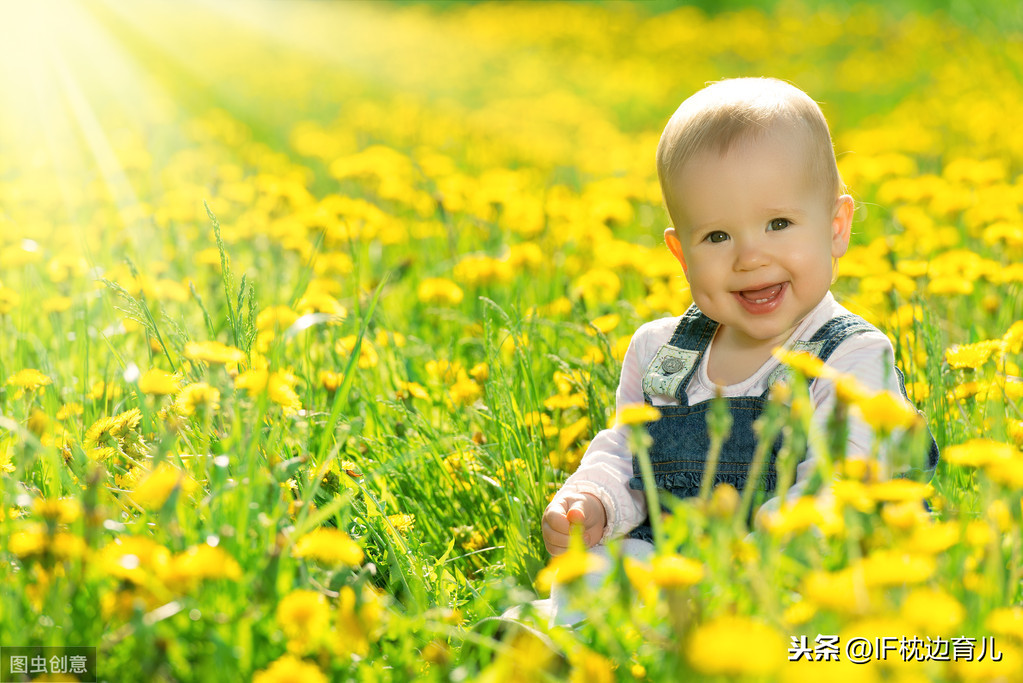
681,439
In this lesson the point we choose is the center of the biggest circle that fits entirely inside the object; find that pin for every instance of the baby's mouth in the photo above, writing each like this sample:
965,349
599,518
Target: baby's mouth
762,296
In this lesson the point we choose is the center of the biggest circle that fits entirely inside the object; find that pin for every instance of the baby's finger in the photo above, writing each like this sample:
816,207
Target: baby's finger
555,518
577,513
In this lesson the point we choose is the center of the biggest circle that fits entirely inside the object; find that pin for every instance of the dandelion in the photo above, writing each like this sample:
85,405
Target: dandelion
59,510
368,357
402,523
411,390
733,645
978,453
894,490
597,286
290,669
329,546
843,591
675,571
567,567
464,391
156,487
805,363
932,610
440,291
69,410
886,412
28,379
279,317
137,559
330,380
304,616
637,414
606,323
199,563
213,352
195,396
158,382
894,568
972,356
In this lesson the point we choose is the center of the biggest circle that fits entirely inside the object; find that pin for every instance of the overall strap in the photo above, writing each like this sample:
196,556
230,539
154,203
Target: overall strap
674,364
823,343
832,333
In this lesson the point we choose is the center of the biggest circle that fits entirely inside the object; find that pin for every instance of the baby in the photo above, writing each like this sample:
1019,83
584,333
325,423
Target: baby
759,218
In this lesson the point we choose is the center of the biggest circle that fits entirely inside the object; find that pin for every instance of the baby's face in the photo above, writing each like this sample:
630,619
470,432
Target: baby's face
757,237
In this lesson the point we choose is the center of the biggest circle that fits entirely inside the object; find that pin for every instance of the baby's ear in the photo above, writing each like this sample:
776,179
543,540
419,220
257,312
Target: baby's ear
675,247
841,225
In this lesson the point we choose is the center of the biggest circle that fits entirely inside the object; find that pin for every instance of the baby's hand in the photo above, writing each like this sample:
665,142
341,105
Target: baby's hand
568,510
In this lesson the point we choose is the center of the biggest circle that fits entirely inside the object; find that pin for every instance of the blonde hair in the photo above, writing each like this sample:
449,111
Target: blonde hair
740,110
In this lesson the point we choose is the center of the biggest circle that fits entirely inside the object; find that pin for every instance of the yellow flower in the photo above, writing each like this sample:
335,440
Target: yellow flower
201,562
805,363
368,357
480,372
440,291
567,567
885,412
637,414
330,380
29,379
734,645
894,568
402,523
158,382
154,490
597,286
1006,472
972,356
844,591
138,559
197,395
69,410
931,539
55,304
304,616
932,611
978,453
329,546
213,352
1006,621
606,323
894,490
805,513
59,510
290,669
565,401
411,389
675,571
280,391
590,667
465,391
280,317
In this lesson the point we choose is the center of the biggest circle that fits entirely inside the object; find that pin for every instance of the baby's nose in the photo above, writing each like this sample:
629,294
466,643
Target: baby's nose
750,255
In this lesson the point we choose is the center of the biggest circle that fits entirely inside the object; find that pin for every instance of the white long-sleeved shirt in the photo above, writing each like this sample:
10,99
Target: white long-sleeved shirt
606,467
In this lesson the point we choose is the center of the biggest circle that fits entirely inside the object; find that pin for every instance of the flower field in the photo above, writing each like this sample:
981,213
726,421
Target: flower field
307,309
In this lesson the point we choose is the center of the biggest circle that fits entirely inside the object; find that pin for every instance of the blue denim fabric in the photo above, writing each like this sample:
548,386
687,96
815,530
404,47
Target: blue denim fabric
681,438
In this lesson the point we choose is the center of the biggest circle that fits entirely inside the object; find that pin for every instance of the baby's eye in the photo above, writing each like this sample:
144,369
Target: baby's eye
778,224
716,236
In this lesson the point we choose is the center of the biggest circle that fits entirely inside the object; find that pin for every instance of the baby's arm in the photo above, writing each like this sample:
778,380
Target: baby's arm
606,467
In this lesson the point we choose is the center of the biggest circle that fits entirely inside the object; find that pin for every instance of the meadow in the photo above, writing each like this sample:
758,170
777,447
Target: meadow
307,309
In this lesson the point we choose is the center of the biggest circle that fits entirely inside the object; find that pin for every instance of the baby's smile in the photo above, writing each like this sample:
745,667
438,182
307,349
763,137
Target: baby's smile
761,300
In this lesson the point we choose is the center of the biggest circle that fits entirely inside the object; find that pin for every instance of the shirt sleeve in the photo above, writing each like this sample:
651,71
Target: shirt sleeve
606,467
870,358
